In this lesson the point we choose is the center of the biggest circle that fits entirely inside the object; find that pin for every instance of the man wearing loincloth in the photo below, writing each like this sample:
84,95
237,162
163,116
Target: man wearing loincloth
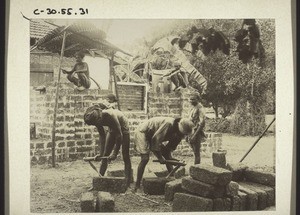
79,75
117,135
151,134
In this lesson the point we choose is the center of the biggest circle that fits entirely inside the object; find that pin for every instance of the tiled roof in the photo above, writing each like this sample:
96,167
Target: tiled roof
39,29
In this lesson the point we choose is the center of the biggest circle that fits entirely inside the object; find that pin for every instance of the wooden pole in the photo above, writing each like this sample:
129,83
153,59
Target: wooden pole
115,80
257,140
56,98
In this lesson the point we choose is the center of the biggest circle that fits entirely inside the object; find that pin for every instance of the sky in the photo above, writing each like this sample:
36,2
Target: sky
124,32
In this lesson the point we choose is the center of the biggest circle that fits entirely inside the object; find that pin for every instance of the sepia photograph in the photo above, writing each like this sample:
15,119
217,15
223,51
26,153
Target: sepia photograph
152,115
153,107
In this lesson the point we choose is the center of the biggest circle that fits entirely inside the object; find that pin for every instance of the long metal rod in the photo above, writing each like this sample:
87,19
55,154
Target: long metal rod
257,140
56,99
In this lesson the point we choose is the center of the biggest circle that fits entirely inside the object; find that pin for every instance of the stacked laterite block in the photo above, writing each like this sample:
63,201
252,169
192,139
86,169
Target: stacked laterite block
75,140
205,188
256,188
210,188
262,184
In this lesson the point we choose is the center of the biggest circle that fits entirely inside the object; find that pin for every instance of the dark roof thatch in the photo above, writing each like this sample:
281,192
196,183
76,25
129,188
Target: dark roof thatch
81,35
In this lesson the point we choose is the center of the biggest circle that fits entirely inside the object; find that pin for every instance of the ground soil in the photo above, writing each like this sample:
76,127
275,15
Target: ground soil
57,190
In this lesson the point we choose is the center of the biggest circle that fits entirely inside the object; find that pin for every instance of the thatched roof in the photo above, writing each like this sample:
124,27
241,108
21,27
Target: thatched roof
81,35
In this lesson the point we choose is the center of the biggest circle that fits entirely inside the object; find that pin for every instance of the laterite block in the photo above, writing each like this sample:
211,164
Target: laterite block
180,172
232,188
269,190
105,202
260,177
202,189
87,202
110,184
238,171
155,185
171,188
187,202
262,195
219,159
119,173
251,199
210,174
222,204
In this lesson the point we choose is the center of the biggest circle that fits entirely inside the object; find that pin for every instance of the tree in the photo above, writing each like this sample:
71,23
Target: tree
245,89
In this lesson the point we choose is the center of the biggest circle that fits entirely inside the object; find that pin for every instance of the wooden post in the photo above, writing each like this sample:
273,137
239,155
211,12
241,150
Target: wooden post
56,98
115,80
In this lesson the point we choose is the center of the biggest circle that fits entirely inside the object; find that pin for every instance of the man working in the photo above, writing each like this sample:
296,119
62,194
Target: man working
197,116
81,70
117,135
150,135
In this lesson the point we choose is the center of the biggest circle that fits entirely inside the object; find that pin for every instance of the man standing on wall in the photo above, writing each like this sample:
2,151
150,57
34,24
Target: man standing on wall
151,134
197,116
117,135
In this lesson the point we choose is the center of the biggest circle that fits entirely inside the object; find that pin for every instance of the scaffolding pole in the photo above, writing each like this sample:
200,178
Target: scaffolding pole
56,98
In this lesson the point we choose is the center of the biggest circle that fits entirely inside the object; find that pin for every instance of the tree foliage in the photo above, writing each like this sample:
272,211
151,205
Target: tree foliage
246,90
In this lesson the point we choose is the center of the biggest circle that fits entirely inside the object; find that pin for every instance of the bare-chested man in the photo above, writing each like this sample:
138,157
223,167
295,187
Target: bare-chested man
117,136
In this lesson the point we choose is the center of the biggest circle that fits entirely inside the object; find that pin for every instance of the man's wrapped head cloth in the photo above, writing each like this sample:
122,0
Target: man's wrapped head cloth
93,115
185,126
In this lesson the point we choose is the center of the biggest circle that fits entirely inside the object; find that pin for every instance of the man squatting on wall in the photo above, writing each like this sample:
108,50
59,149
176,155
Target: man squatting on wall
81,70
117,135
151,134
